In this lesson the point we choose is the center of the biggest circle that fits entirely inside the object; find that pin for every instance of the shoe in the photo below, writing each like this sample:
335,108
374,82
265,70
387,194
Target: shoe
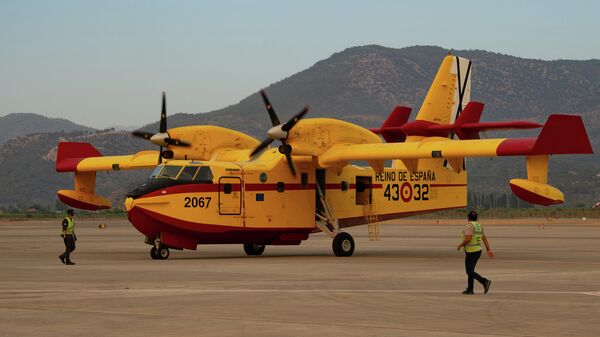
62,259
486,286
69,263
468,292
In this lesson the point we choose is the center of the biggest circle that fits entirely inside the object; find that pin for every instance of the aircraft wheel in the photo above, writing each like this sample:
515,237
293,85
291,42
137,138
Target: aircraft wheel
162,253
253,248
154,254
343,244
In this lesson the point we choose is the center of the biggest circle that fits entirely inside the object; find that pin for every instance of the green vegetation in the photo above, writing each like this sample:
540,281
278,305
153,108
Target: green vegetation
518,213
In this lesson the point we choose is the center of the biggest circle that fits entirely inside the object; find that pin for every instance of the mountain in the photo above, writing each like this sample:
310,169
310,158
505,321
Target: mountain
20,124
28,165
362,85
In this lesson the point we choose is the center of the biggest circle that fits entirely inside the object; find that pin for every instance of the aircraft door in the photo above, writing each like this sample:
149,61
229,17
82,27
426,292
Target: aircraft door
230,196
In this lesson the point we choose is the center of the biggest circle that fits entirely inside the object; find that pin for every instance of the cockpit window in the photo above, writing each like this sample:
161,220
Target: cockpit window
188,173
204,175
169,171
157,171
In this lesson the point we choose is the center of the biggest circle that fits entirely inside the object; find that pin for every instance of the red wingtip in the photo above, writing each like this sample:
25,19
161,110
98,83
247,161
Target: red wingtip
69,154
563,134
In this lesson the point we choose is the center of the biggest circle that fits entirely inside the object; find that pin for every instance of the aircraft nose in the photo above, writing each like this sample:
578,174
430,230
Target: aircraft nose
128,204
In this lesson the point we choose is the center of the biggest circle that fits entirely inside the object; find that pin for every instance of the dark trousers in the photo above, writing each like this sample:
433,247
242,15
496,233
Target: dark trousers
69,240
470,263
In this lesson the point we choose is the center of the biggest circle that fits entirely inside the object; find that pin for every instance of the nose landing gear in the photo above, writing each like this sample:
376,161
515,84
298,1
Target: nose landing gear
160,253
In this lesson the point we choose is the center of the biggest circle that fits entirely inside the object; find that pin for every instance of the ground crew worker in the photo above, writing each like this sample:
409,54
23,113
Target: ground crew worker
68,235
472,236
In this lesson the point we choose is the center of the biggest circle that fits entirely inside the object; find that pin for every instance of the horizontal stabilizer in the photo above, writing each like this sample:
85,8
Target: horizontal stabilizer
71,153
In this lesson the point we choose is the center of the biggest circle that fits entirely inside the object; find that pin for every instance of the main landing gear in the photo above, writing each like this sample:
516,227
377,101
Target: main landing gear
343,244
254,249
160,253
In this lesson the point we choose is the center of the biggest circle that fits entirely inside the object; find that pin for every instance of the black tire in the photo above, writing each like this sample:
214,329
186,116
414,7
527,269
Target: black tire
253,248
154,254
162,253
343,244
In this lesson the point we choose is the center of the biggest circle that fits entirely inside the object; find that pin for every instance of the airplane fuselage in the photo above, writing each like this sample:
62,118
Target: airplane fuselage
186,203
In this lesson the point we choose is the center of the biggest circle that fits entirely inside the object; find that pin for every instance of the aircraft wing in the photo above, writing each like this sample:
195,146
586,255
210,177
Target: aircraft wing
562,134
84,160
83,157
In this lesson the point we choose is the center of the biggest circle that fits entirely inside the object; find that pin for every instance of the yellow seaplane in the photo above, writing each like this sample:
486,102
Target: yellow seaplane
214,185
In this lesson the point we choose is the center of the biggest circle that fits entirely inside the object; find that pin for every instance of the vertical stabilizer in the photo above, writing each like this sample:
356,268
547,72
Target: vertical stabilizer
449,93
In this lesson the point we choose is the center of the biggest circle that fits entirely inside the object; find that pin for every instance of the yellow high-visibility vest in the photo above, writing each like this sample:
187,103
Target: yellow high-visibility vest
70,225
475,244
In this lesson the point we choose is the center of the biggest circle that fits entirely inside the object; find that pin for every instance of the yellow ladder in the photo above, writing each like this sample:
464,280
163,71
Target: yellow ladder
372,220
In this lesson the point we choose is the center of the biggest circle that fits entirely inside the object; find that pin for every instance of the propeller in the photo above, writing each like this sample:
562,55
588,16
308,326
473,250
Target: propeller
162,138
279,132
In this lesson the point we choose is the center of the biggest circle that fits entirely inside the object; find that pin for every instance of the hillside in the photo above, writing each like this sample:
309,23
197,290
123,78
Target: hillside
28,165
20,124
361,85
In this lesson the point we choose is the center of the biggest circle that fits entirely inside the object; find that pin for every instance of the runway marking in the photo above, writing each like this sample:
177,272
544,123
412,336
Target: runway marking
593,293
241,290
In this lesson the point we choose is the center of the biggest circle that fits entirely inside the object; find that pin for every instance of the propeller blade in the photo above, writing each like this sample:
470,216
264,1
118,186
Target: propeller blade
290,124
142,134
262,146
274,119
163,115
160,155
290,163
176,142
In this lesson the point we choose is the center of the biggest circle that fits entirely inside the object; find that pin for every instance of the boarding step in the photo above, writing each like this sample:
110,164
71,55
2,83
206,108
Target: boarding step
372,220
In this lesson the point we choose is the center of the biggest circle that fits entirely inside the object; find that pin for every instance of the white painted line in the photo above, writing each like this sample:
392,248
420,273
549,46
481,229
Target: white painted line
593,293
241,290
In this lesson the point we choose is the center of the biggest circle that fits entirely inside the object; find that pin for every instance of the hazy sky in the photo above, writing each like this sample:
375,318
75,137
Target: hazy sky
104,63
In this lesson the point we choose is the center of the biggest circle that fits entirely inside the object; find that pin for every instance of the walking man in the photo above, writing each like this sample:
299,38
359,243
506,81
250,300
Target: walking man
68,235
472,236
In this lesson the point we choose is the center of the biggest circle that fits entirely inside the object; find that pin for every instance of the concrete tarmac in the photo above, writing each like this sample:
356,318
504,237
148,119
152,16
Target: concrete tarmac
546,282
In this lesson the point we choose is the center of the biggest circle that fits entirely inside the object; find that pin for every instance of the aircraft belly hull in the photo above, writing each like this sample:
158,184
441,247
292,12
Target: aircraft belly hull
152,224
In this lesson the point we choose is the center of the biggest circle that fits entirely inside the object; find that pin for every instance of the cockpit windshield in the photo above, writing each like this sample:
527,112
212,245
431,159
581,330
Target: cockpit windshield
196,174
169,171
157,170
188,173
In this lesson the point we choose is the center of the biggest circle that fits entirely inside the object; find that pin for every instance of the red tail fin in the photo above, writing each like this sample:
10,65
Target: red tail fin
390,129
470,114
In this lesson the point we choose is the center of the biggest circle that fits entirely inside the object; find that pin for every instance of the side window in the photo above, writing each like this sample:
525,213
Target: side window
227,188
204,175
280,186
188,173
